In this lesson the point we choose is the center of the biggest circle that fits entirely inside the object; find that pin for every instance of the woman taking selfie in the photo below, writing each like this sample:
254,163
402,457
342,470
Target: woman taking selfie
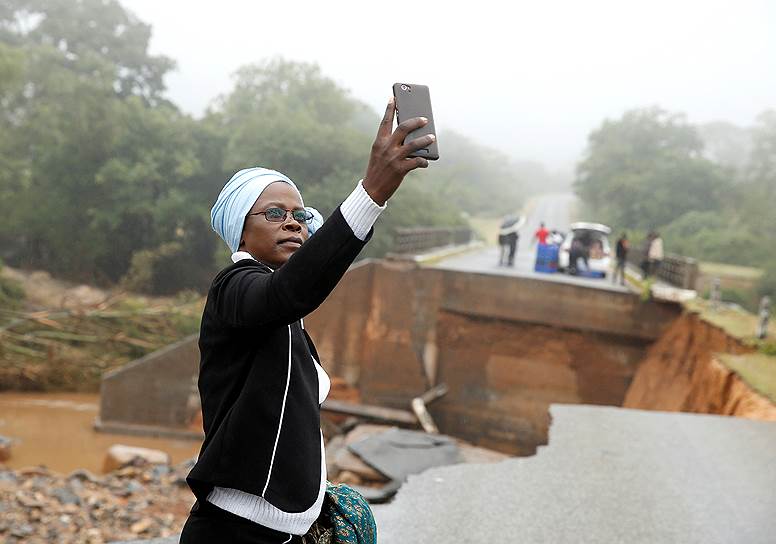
261,473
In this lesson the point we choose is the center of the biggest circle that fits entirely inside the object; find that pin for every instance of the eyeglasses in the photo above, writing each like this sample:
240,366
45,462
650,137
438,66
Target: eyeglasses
278,215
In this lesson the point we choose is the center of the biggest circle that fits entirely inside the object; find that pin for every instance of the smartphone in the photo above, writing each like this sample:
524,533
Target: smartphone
414,101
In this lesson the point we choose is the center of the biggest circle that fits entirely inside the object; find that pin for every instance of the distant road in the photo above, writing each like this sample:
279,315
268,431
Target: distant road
554,210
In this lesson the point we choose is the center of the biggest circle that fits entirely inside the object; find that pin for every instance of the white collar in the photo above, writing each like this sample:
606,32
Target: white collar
240,255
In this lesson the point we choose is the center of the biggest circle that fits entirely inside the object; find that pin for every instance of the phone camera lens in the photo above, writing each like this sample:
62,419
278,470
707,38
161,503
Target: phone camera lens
405,88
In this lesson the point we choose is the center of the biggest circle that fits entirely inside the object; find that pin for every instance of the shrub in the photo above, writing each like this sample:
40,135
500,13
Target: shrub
11,292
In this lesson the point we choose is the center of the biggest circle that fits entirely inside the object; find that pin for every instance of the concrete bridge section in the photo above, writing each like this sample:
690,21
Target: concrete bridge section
608,475
155,395
506,347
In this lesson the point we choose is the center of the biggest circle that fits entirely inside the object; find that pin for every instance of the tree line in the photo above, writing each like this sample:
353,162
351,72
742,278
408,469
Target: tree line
710,190
103,179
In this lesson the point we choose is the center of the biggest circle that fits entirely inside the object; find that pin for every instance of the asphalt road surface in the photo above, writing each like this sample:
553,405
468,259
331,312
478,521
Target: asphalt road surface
609,475
552,209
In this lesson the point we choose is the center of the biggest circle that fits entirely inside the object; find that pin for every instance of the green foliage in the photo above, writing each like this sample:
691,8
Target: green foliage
746,298
95,38
11,292
767,285
159,271
713,236
647,169
99,166
472,176
726,144
289,117
103,180
412,205
758,370
758,192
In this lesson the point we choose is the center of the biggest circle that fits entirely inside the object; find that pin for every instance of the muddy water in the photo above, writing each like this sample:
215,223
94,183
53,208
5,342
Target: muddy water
55,429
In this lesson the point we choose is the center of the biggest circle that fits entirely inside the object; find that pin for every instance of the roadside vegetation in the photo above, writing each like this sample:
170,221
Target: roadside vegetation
757,369
710,190
104,180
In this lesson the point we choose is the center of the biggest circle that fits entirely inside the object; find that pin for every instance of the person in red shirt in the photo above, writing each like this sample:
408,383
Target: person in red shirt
541,234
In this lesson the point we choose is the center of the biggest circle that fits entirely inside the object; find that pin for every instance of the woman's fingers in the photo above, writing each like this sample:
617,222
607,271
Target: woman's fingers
415,162
405,128
389,160
384,130
415,144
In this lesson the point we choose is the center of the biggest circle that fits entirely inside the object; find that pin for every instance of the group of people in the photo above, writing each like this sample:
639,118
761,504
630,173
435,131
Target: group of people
509,236
581,249
652,256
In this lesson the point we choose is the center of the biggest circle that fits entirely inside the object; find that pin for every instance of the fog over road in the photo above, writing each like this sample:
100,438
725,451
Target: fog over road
555,211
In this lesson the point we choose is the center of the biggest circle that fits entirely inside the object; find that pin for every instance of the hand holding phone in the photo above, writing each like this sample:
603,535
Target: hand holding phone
391,158
415,101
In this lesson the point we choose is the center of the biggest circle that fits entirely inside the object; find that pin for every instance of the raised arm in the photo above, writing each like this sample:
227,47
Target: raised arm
249,296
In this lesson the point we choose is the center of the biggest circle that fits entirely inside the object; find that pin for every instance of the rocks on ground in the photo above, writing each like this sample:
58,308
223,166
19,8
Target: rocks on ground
139,500
120,455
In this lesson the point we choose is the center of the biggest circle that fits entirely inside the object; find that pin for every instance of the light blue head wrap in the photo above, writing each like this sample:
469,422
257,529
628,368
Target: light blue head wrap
238,197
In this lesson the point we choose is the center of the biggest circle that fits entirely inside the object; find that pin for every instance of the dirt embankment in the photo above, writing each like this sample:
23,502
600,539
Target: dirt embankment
682,373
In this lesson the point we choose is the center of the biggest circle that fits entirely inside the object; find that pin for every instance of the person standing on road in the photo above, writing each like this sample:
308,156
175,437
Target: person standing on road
541,234
578,250
512,239
260,476
502,242
621,253
645,256
508,237
655,254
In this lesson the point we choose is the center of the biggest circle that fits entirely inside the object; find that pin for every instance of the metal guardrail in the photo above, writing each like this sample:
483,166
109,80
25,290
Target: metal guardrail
411,241
675,269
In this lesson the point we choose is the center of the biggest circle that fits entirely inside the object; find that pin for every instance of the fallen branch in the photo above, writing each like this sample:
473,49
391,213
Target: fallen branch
379,413
418,405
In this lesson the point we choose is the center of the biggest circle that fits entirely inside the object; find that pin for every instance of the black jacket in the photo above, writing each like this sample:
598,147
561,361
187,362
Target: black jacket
257,380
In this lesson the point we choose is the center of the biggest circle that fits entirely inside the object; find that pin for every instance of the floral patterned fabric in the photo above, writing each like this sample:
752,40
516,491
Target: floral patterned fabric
345,519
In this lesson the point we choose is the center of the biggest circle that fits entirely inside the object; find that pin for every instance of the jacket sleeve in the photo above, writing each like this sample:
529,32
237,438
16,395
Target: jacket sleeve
247,297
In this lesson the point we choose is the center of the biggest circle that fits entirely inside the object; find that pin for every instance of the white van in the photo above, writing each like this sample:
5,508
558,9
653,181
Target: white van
593,243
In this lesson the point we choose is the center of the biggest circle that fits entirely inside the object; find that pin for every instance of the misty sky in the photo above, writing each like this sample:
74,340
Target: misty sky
529,78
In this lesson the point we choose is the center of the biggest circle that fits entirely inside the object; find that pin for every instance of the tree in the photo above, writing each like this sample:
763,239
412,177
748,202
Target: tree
473,178
758,193
103,180
714,236
726,144
288,116
647,169
98,163
93,36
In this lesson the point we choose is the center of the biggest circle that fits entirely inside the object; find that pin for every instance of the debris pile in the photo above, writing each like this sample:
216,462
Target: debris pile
70,348
136,501
376,459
